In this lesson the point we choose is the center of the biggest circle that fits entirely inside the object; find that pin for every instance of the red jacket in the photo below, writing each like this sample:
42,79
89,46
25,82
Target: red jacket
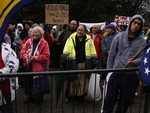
48,38
97,43
41,54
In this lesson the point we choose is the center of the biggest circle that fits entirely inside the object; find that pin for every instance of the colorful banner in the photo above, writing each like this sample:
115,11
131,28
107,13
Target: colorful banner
122,20
7,10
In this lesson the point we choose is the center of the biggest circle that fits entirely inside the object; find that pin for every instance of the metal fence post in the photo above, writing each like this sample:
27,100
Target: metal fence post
146,106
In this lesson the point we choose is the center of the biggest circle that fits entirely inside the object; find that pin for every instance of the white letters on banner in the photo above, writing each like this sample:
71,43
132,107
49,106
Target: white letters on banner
122,20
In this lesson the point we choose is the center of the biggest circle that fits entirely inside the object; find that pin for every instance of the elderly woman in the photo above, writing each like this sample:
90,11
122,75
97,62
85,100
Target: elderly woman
36,53
81,54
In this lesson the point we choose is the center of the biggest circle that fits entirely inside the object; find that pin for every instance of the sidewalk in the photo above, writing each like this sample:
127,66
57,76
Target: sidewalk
87,107
49,104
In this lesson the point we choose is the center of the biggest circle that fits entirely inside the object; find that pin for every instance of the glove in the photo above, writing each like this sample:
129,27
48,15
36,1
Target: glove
63,59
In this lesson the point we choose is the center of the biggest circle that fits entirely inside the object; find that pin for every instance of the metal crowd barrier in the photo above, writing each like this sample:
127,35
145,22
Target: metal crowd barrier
89,105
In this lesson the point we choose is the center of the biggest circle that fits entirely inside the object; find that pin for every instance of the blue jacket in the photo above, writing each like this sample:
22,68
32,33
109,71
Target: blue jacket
106,42
105,45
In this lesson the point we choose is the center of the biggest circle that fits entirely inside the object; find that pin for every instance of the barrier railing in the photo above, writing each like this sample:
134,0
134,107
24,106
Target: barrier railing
89,105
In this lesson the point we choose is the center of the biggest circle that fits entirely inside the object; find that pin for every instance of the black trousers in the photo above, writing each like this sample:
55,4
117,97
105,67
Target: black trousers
9,107
121,89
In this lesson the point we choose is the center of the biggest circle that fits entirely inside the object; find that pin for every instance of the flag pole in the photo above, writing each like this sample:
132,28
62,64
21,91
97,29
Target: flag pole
137,55
148,38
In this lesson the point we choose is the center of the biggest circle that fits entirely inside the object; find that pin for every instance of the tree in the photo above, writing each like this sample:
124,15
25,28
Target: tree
86,10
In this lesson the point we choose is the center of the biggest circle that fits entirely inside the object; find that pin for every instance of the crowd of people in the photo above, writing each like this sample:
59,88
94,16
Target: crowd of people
39,46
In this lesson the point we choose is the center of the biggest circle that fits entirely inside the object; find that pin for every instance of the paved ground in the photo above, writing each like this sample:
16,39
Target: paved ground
47,108
49,105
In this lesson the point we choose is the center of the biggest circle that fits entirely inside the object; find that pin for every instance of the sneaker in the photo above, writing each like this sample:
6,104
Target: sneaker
136,94
67,100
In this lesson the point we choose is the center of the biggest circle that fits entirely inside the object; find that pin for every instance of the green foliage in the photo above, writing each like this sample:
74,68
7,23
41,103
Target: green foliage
83,10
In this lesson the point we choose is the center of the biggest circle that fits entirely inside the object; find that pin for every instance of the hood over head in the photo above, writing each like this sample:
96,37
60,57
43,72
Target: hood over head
133,18
19,24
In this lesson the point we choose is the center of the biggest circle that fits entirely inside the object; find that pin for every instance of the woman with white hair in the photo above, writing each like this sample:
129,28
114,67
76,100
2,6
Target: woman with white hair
18,30
17,42
36,53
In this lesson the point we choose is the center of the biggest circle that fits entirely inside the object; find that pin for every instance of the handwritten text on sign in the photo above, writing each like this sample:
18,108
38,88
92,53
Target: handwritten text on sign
57,13
122,20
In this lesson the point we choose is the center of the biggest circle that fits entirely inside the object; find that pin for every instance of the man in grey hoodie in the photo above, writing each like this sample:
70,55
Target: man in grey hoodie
122,86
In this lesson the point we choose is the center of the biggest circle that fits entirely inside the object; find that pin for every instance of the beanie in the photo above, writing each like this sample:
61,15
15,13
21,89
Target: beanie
111,26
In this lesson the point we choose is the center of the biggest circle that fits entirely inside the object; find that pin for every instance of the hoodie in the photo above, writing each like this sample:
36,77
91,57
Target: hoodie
122,50
17,32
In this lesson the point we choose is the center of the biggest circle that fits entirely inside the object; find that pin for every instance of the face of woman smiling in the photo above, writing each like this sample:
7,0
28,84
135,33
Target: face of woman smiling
36,34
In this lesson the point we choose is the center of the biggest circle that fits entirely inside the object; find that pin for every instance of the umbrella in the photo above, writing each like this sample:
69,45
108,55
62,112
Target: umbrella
58,85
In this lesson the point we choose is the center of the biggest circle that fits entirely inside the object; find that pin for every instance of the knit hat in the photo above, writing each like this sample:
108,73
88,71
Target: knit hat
111,26
9,30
